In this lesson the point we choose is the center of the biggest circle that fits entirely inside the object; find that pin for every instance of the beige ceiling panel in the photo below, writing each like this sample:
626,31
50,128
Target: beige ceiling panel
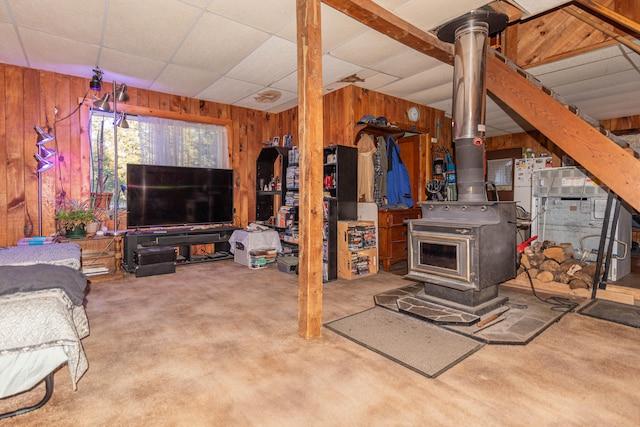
217,44
270,62
136,70
288,82
434,94
72,19
251,101
266,15
228,91
184,81
10,50
335,69
49,52
368,49
374,80
430,14
143,28
4,14
407,63
434,77
336,28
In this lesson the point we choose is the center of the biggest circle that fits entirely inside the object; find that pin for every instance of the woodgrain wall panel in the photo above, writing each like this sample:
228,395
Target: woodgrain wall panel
31,95
14,99
3,158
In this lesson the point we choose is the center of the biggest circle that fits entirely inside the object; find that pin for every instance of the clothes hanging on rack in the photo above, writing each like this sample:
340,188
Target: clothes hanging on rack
380,171
366,151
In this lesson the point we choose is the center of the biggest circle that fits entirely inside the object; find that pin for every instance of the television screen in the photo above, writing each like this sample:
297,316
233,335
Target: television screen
172,195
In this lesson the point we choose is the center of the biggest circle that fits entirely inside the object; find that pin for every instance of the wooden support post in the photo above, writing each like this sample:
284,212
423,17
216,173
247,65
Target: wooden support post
310,144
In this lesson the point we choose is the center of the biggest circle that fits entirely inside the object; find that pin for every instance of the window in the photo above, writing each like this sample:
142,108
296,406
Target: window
154,141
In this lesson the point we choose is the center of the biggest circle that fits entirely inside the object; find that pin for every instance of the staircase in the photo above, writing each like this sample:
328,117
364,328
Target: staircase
599,151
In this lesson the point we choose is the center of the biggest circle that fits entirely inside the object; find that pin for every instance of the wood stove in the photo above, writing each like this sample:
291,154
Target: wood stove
462,251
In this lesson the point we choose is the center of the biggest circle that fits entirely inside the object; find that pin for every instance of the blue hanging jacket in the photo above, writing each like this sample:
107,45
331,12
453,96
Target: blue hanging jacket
398,182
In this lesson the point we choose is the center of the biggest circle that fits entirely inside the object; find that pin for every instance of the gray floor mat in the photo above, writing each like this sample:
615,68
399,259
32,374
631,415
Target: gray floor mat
418,345
612,311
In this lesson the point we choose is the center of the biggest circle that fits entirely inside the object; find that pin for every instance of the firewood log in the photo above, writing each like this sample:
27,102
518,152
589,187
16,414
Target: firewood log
545,276
550,265
578,284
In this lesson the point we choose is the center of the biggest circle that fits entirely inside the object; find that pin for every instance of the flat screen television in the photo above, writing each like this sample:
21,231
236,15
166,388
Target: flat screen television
161,196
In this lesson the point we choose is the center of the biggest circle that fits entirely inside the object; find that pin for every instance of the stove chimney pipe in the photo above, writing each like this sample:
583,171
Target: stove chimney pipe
470,33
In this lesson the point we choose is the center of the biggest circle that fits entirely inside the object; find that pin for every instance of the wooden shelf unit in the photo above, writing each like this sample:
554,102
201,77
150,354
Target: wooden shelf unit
357,255
101,251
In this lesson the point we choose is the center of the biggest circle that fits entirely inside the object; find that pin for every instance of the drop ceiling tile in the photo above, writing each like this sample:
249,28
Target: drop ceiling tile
406,63
335,69
368,49
535,7
250,101
288,82
142,69
185,81
429,14
10,50
614,65
266,15
434,94
217,44
228,91
4,13
270,62
336,28
143,28
49,52
430,78
374,80
71,19
198,3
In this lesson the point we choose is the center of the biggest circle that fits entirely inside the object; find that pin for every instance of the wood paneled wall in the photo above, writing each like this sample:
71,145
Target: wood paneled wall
30,97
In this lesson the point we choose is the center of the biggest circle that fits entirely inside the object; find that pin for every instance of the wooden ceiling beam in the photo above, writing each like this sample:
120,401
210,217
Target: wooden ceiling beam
595,24
380,19
596,7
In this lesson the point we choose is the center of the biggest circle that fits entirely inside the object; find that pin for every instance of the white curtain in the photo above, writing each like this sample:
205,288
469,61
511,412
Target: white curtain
177,143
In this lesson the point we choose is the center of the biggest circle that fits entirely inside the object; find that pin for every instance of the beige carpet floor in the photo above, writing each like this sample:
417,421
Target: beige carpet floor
216,344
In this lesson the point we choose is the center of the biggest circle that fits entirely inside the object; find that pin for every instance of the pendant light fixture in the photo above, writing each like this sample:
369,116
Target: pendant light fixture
102,104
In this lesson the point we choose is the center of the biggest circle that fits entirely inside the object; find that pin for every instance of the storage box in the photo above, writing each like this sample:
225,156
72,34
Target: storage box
154,255
243,243
155,269
288,264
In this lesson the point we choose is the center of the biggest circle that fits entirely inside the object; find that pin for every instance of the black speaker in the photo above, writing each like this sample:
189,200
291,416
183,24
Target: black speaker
155,269
154,255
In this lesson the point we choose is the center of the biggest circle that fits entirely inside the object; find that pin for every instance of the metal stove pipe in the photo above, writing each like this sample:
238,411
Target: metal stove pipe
470,33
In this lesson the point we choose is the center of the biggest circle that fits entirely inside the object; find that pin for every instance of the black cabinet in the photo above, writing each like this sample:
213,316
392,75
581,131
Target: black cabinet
340,202
271,170
341,179
182,239
329,239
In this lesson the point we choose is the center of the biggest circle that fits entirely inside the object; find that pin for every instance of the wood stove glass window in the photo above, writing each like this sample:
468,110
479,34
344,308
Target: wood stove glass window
439,255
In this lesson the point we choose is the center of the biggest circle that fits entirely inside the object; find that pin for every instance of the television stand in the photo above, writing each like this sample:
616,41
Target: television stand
184,240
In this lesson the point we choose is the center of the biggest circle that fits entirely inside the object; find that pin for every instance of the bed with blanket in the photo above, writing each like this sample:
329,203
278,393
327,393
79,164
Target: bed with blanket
42,319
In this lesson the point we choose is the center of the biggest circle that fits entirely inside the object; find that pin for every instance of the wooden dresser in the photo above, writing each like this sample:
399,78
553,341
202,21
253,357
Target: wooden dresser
392,234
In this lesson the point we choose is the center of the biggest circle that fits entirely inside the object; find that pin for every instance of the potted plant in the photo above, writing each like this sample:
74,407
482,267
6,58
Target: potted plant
73,217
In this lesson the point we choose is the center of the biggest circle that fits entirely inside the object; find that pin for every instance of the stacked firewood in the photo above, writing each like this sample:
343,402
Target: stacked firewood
556,262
